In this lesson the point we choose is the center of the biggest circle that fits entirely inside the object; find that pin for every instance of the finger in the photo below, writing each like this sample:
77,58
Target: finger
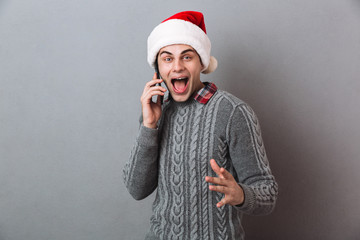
215,180
226,174
220,189
151,94
150,90
215,168
156,88
155,76
152,83
147,96
221,203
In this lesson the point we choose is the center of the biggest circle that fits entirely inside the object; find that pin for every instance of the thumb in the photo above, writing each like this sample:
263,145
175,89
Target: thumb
221,203
154,76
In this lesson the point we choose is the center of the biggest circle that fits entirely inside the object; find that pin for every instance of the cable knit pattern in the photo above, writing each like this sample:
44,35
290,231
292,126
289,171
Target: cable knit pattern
221,213
160,206
257,139
194,174
177,210
175,158
205,170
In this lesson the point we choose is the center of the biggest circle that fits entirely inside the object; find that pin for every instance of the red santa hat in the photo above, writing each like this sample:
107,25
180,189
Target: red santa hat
182,28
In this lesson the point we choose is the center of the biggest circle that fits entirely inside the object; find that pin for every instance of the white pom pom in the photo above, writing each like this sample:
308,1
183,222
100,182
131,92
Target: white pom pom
212,65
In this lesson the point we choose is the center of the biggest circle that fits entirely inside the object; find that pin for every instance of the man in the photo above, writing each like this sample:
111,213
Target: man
201,149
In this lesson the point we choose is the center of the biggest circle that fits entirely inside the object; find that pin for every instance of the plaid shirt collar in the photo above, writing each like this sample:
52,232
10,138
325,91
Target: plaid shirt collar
204,94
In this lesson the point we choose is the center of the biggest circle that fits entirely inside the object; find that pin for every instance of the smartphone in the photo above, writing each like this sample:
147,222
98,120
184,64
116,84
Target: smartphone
158,77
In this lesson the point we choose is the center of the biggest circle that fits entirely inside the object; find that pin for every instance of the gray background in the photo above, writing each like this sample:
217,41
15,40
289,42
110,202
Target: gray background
71,75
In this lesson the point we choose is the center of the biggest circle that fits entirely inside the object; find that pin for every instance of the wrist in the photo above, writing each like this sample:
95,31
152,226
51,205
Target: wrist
153,126
242,197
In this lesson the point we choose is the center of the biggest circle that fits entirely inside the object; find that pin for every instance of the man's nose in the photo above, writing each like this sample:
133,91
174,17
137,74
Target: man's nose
178,65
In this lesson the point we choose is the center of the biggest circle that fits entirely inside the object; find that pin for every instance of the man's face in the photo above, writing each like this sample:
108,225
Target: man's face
180,67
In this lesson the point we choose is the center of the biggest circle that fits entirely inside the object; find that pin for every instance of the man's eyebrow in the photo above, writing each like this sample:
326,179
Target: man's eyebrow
165,52
187,50
183,52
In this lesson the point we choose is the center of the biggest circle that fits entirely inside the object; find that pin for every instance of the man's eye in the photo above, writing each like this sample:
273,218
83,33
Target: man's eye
167,59
187,57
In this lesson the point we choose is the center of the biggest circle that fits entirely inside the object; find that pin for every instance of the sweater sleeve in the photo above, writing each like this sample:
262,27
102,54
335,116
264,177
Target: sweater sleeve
252,169
141,170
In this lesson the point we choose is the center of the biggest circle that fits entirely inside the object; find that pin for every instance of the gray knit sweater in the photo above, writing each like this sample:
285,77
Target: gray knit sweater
174,159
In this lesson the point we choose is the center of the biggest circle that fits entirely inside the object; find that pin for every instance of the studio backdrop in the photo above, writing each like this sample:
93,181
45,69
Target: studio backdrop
71,77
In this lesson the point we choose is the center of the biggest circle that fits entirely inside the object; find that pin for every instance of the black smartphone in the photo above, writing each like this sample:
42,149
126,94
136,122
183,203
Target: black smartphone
158,77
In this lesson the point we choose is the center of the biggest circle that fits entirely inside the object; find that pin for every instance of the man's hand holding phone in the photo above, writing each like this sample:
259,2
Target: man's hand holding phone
152,110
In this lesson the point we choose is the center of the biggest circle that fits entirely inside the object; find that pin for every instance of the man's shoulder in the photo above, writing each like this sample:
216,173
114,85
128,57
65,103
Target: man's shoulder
228,98
229,103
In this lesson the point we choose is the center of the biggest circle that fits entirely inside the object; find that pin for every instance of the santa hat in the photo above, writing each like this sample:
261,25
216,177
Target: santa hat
182,28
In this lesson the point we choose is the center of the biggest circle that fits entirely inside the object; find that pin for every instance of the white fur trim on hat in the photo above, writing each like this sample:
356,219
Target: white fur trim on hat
176,31
212,66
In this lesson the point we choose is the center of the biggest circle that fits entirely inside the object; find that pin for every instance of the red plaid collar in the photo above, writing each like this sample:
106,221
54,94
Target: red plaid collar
204,94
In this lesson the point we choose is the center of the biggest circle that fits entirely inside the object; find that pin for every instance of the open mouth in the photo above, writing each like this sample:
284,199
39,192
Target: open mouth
180,84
